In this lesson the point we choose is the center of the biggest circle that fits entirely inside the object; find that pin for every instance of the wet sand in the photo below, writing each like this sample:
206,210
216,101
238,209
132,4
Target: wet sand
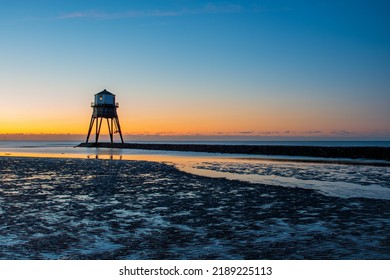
104,209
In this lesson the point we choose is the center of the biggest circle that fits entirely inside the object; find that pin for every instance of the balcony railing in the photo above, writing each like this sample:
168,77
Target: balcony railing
93,104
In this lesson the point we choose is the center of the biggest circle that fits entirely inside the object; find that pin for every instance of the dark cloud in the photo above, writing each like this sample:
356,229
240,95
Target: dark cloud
267,132
341,132
246,132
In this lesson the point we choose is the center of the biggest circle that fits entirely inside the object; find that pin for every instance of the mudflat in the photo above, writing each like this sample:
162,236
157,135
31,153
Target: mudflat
107,209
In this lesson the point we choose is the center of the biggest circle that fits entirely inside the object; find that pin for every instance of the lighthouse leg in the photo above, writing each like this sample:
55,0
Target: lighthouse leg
119,128
90,128
110,130
98,129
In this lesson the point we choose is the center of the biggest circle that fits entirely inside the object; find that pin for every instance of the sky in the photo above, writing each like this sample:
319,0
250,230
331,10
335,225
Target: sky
259,69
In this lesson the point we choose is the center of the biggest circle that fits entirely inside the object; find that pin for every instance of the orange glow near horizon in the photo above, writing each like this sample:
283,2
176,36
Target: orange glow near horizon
185,123
194,116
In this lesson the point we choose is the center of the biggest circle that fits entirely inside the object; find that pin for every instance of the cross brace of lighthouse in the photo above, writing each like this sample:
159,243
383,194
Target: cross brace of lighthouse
104,107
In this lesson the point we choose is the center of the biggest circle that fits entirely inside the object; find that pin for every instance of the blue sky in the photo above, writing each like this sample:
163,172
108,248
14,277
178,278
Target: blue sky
199,67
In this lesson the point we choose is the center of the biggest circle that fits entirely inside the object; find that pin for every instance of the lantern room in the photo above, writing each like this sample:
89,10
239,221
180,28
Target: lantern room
104,98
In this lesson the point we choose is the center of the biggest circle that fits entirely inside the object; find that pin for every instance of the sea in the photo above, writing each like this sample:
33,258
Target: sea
59,201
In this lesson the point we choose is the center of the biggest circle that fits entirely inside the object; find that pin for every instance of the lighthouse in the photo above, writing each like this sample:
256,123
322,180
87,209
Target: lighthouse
104,107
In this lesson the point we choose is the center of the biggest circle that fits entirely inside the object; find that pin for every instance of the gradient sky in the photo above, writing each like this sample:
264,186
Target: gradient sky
256,69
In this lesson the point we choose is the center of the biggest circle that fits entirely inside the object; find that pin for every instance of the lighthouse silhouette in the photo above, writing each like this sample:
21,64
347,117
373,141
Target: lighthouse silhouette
104,107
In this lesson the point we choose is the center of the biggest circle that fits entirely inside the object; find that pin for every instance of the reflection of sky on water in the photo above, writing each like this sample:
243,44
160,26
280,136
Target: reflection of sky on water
329,179
341,180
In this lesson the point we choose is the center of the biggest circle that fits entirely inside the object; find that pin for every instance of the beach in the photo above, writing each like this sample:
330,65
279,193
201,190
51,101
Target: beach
68,208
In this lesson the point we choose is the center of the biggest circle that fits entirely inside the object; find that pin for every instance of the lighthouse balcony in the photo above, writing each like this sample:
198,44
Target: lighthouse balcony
104,112
93,104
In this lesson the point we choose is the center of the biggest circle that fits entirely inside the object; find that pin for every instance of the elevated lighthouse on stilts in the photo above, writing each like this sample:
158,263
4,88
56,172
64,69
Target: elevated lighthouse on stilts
104,107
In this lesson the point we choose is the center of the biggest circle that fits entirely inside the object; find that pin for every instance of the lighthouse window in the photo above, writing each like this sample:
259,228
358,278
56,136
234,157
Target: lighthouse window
101,98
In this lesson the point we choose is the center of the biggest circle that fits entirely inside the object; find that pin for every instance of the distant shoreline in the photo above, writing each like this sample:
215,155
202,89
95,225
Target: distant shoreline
372,153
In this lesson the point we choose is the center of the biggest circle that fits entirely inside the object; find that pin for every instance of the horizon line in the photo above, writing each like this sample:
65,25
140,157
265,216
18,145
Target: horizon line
193,137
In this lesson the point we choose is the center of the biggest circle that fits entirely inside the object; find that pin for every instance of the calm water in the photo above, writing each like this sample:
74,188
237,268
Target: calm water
9,144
